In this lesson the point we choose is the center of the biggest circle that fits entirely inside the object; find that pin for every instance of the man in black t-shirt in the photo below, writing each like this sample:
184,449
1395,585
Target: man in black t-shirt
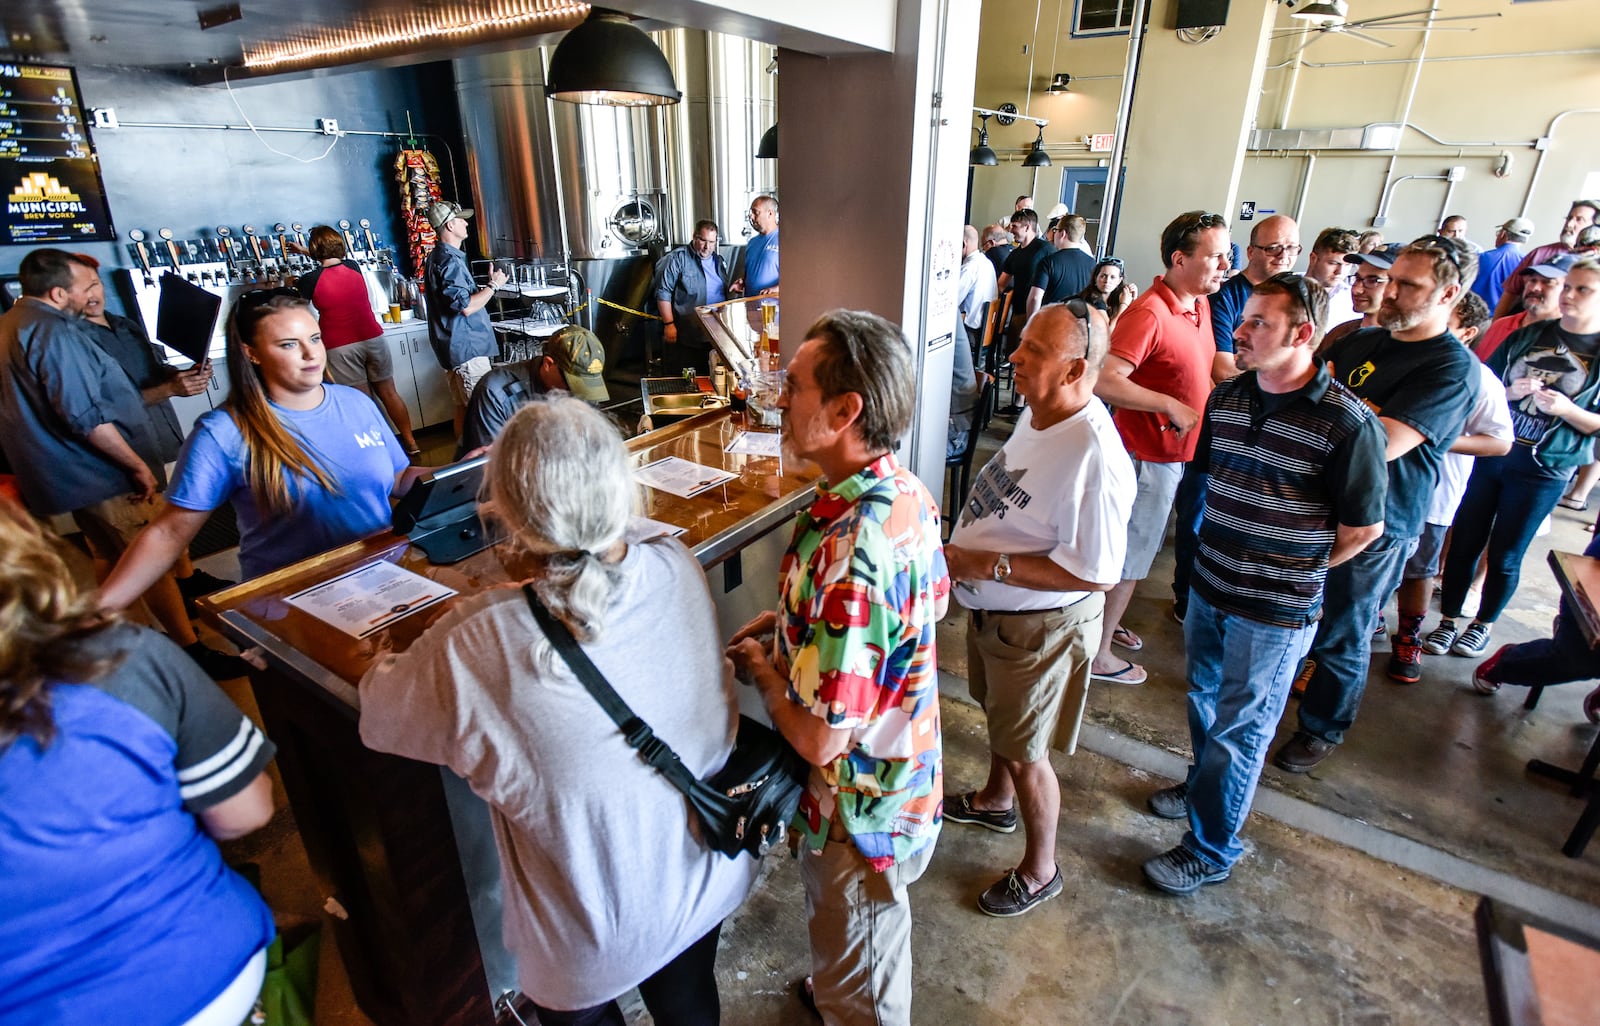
1065,272
1021,266
1422,383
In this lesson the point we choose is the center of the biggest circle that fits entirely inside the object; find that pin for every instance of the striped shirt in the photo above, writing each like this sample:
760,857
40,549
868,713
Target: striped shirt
1283,471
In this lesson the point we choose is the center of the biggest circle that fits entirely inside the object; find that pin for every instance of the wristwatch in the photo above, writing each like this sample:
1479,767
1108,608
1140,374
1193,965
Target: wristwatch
1002,567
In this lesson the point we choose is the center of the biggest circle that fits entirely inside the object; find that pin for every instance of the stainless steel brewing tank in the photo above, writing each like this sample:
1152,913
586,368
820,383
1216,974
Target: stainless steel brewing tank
510,155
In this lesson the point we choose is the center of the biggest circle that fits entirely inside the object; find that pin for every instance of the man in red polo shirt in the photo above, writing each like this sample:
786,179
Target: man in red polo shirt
1157,377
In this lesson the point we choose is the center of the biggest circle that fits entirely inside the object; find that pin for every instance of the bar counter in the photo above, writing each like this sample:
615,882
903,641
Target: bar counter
404,849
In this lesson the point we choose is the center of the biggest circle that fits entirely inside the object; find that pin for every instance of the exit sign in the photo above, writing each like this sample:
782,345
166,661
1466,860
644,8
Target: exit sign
1102,142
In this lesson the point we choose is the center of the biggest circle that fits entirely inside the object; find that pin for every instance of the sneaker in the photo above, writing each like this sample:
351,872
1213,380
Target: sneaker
217,665
1010,896
198,585
1474,640
960,810
1440,639
1303,679
1170,802
1480,675
1405,659
1181,871
1302,753
1380,629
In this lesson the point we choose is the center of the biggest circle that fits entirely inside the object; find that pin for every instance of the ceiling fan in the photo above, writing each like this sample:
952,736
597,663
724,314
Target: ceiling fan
1330,17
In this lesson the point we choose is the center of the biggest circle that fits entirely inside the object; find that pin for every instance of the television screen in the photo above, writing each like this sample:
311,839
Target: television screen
49,175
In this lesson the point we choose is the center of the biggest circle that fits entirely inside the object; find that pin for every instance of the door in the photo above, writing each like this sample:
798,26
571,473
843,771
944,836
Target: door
405,377
1083,190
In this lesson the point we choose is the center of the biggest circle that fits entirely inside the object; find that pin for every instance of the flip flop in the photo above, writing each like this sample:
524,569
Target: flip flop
1126,639
1567,503
803,990
1131,675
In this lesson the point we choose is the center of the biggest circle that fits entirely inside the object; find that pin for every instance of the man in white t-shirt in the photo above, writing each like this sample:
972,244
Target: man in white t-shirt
1488,433
1041,539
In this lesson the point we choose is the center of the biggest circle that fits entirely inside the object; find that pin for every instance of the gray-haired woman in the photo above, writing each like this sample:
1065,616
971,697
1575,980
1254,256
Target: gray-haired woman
605,886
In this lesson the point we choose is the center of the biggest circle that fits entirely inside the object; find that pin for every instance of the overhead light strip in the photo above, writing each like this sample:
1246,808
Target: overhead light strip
454,25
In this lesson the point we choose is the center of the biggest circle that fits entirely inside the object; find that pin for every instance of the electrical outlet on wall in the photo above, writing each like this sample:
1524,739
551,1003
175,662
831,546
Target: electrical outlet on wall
328,126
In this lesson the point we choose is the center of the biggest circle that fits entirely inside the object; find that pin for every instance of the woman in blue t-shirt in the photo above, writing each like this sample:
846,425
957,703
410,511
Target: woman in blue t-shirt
308,465
121,764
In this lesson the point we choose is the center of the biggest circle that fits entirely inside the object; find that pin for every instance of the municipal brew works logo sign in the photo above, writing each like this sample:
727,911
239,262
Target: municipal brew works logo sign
39,193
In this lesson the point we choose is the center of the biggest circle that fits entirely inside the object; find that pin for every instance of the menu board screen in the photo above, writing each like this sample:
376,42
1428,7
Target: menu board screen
49,177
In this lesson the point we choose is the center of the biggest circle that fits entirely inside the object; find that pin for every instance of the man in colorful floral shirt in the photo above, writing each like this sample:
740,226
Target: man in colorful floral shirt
850,678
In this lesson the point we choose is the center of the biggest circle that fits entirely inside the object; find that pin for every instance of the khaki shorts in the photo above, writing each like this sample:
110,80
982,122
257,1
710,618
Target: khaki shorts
1030,672
110,525
465,377
360,363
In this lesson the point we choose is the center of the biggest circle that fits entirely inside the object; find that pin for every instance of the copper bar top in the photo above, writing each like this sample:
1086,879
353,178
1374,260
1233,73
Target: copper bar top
717,523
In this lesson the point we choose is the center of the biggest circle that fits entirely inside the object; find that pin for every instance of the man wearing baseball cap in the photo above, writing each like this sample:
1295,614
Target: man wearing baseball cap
1495,266
1580,215
458,324
1368,279
573,361
1541,298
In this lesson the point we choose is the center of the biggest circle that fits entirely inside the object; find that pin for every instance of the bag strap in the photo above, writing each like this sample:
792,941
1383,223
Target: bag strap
635,731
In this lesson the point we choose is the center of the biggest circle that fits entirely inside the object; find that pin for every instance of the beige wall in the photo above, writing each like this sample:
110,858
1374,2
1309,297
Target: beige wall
1507,103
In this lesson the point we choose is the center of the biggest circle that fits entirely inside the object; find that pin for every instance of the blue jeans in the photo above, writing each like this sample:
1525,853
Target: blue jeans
1239,676
1354,595
1190,504
1507,498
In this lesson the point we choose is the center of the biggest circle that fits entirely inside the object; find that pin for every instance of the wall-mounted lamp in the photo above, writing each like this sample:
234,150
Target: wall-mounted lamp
1037,157
981,153
608,61
1059,82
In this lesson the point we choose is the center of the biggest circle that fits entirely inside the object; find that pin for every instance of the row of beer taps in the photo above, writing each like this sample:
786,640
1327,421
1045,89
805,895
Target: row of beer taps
250,257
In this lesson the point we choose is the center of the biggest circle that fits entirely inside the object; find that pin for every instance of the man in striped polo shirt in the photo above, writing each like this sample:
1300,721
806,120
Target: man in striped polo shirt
1295,483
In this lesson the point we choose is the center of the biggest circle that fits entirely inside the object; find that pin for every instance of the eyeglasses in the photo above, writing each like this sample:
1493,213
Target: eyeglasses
1291,248
1368,281
1296,283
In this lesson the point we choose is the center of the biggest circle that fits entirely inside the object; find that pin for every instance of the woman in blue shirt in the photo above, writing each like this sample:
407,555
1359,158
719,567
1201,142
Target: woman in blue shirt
308,465
121,764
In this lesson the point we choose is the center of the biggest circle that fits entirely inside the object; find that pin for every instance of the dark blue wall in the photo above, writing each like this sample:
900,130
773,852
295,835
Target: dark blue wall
191,180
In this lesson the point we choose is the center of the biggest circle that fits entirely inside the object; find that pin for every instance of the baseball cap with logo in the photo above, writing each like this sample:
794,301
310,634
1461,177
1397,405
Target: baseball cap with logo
1555,267
1382,258
443,211
582,360
1518,228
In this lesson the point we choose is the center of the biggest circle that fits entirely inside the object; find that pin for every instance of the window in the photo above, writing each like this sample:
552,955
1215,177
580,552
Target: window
1102,17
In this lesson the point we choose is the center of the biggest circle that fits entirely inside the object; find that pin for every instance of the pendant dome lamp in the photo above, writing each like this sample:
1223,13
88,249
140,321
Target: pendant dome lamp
1037,157
767,149
607,61
981,153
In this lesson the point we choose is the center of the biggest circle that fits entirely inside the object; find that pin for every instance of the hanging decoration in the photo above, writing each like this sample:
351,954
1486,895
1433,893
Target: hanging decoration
418,175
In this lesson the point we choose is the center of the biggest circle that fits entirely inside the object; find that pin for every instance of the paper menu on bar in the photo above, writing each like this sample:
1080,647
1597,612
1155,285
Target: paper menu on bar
756,443
370,598
681,477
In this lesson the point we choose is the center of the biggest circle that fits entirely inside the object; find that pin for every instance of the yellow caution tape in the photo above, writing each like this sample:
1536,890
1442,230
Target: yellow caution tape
626,309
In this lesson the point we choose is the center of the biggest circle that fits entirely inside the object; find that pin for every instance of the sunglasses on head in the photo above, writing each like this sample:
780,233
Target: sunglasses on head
1444,245
1296,283
261,297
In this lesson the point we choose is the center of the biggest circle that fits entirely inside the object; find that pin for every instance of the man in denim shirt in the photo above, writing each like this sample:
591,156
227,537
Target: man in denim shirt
458,324
690,276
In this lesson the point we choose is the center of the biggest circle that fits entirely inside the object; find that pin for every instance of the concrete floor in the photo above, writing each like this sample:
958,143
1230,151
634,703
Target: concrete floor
1353,905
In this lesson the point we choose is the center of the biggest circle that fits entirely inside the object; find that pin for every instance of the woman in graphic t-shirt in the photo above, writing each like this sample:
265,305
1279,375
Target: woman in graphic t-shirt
308,465
1552,378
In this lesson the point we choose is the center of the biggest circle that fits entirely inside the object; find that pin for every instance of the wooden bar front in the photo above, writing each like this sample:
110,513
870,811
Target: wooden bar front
401,845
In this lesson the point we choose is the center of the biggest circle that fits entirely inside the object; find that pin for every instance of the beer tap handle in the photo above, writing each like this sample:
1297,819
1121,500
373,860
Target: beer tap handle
349,239
172,247
137,235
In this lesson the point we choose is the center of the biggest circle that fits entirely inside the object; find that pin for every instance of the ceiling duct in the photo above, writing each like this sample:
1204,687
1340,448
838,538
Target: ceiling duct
1367,137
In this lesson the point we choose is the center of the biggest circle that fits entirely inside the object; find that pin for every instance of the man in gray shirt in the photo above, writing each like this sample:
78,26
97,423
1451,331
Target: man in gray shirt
72,424
458,325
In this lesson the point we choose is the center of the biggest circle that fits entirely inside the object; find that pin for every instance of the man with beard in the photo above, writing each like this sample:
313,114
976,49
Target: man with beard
1421,383
1541,301
1580,215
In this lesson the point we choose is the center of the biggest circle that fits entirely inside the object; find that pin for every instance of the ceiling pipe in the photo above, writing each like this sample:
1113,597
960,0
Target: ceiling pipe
1538,164
1435,60
1119,146
1405,114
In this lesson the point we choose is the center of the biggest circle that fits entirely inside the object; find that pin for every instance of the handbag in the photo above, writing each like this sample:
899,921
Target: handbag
745,806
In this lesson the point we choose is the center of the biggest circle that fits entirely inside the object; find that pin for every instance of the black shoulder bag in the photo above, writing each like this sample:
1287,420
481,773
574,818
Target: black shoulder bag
744,807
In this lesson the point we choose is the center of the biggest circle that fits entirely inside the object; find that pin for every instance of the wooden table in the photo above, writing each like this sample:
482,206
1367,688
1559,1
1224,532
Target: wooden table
403,847
1536,973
